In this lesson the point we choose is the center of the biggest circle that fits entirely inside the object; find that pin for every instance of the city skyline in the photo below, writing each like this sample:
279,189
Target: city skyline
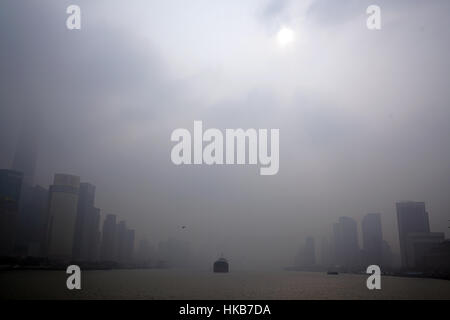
72,233
97,237
362,115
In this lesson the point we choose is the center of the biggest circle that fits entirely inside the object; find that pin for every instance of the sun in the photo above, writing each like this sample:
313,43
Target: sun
285,36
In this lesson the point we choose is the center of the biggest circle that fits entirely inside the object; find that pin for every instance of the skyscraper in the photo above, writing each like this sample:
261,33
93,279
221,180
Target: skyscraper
32,221
310,251
121,233
145,253
411,218
372,239
94,235
63,202
346,243
87,225
419,245
108,246
25,156
10,190
129,245
326,253
306,256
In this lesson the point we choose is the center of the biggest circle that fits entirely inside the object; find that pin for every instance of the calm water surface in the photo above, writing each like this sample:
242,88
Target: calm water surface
172,284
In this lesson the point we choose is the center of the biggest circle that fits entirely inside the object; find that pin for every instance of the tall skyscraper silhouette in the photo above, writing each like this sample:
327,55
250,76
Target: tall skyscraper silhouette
10,191
108,246
411,218
129,245
306,256
63,202
121,241
32,221
346,243
372,239
25,155
87,225
124,243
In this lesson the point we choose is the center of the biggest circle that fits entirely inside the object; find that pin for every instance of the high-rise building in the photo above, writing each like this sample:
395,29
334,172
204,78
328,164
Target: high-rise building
372,239
174,253
145,253
63,201
25,156
87,225
346,243
10,191
419,245
121,234
388,256
94,236
326,257
310,251
108,245
437,259
306,256
129,246
411,218
32,221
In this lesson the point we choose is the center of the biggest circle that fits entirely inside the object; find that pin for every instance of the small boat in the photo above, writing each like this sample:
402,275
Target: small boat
332,273
221,266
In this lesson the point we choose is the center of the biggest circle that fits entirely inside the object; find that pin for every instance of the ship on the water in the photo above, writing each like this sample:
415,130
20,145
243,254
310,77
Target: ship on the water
221,266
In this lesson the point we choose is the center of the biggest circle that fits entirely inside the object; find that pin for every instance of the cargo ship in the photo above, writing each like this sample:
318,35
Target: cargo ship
221,266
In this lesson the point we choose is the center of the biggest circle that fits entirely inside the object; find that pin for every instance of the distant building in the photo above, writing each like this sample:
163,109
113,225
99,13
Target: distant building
326,253
117,243
306,256
32,222
437,259
94,236
129,246
26,153
346,243
387,256
108,244
372,239
419,245
411,218
145,253
174,253
87,233
10,191
63,201
310,251
121,234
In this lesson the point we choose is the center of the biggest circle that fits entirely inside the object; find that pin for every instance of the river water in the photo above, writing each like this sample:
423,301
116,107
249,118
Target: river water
175,284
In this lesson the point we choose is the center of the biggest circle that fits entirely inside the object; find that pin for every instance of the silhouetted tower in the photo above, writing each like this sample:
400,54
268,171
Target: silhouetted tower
108,246
411,218
25,155
87,225
62,208
346,243
10,190
372,239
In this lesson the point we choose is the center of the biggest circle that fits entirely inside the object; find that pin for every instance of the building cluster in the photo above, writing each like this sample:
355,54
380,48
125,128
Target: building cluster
420,249
61,223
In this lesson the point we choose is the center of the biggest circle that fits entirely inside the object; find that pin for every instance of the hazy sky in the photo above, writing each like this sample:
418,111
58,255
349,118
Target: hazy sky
363,115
